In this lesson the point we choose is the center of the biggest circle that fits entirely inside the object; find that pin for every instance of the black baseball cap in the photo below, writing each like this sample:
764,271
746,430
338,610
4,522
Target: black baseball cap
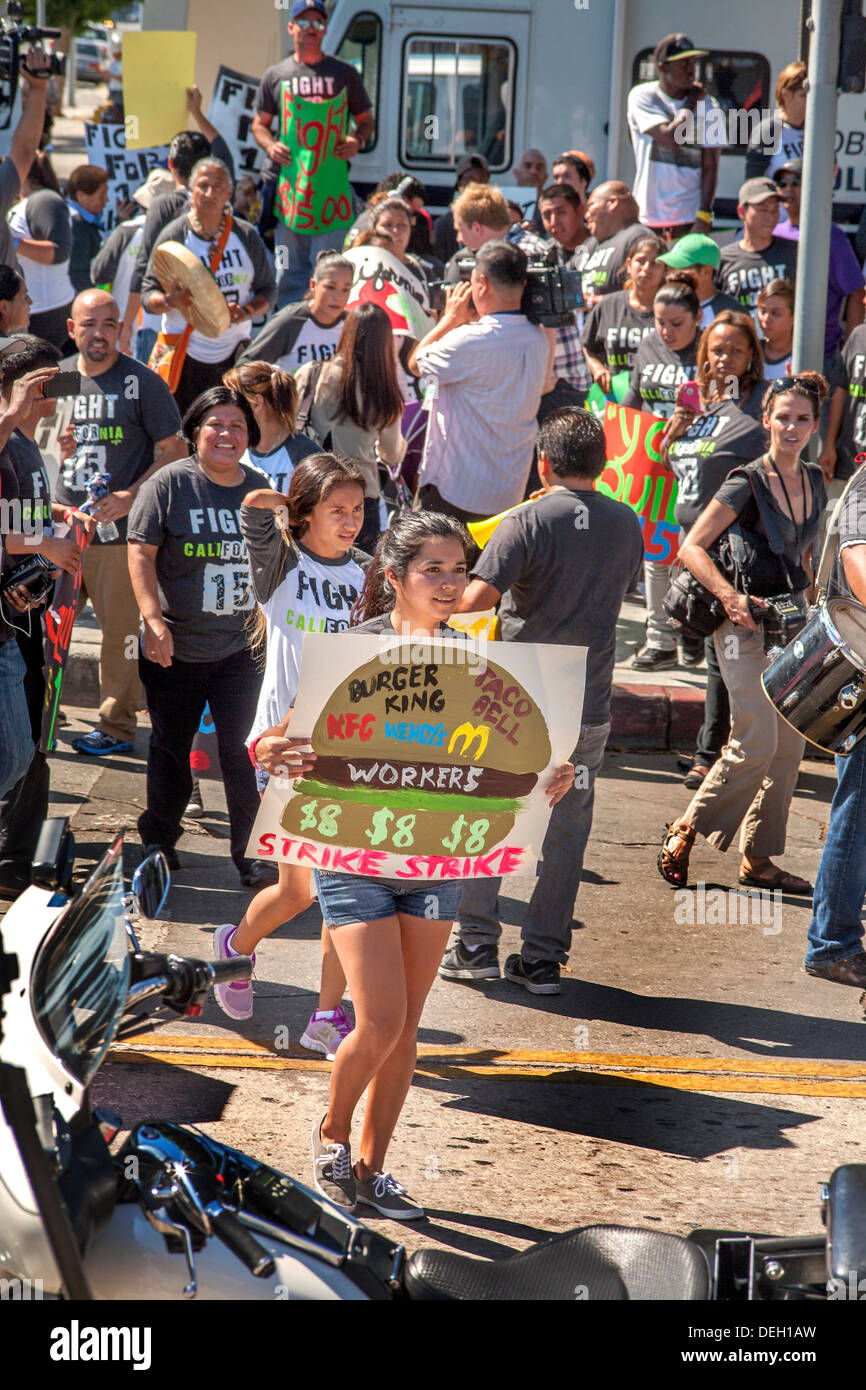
675,46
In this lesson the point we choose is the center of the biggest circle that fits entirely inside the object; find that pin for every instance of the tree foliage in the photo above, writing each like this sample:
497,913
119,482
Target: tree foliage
69,15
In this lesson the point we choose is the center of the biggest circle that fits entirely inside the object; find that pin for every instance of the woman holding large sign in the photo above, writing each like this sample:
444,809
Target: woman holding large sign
389,933
306,575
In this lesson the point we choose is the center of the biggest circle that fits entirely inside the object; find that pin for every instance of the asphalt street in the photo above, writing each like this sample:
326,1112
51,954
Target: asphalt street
689,1074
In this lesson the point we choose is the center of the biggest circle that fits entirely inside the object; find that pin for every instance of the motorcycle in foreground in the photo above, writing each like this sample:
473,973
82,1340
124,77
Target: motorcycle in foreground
174,1214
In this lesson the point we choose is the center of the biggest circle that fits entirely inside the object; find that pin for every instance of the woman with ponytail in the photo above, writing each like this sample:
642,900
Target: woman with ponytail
389,934
306,576
273,398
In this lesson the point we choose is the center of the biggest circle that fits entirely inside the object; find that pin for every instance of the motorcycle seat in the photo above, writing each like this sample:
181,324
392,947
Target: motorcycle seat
597,1263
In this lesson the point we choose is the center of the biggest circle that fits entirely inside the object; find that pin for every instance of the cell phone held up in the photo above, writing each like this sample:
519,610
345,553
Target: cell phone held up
689,397
63,384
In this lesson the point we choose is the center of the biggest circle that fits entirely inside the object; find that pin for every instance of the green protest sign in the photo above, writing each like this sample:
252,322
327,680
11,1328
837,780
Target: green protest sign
313,192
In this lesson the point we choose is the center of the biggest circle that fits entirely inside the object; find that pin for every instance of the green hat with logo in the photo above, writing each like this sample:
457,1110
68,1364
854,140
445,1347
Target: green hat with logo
692,249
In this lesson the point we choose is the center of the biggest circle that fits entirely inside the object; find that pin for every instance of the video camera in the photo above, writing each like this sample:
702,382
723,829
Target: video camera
551,295
14,35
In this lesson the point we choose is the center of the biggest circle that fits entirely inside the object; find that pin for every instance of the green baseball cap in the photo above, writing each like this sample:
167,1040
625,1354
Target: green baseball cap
692,249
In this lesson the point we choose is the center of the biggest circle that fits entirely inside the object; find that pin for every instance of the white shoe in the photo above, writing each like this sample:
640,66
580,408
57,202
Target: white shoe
235,999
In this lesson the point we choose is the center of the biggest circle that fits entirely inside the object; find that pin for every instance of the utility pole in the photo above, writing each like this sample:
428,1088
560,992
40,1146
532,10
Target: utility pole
813,258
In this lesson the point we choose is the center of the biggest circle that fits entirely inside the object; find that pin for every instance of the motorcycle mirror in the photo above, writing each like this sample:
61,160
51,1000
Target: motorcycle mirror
150,884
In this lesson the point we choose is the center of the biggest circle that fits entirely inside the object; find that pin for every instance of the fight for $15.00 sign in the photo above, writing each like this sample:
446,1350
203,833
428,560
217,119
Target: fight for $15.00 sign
431,756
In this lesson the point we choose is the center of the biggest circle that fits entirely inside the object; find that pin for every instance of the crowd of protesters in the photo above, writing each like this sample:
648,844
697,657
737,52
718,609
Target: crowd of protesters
250,497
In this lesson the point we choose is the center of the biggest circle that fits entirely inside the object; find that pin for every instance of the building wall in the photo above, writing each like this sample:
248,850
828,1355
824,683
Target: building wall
248,38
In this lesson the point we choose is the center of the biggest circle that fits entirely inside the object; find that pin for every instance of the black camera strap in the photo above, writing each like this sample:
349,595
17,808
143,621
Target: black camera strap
771,530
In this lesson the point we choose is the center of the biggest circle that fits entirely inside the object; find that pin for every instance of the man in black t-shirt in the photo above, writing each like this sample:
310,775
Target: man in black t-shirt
28,521
612,218
311,75
759,256
562,568
835,950
124,423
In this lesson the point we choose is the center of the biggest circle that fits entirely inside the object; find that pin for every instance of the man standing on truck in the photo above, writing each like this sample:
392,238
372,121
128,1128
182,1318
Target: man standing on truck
307,76
676,145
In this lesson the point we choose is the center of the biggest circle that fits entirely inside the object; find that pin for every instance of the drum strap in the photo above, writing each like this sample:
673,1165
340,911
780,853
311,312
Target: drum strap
828,550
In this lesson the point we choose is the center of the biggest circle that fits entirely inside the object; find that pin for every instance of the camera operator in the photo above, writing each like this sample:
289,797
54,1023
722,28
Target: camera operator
481,215
486,365
25,142
24,481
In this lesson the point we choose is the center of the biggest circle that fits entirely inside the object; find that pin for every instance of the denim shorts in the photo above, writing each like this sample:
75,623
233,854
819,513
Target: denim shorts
355,898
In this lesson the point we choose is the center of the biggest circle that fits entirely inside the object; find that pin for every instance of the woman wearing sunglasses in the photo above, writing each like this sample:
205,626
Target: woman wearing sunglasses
777,498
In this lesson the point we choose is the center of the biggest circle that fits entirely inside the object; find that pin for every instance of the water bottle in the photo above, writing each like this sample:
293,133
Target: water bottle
99,487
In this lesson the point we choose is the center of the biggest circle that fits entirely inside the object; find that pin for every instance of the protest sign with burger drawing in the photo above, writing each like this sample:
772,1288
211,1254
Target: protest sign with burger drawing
431,756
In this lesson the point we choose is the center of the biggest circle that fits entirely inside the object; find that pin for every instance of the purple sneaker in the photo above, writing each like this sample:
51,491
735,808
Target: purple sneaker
236,999
325,1034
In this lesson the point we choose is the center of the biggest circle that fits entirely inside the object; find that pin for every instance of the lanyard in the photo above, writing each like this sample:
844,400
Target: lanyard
796,525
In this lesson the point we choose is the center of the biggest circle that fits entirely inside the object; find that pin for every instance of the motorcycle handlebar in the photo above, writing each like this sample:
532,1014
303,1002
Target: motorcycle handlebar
226,971
185,983
240,1241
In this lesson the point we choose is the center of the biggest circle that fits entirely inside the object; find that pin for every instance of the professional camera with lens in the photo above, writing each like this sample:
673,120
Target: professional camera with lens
31,580
14,36
781,619
551,295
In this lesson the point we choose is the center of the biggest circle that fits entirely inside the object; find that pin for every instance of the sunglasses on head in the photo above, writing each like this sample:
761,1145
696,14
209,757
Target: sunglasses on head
789,383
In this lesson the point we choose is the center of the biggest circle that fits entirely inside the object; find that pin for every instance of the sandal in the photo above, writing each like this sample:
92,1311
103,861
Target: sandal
673,857
785,882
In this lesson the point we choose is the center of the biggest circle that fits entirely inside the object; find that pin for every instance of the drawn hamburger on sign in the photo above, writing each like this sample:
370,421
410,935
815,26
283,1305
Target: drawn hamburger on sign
426,758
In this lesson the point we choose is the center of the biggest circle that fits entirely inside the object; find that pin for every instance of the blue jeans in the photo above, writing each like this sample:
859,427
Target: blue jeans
355,898
546,931
144,342
836,929
16,742
295,257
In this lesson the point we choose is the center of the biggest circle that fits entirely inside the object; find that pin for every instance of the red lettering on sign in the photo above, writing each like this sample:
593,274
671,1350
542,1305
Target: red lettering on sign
336,210
308,851
511,859
344,859
312,137
412,870
266,843
349,725
370,862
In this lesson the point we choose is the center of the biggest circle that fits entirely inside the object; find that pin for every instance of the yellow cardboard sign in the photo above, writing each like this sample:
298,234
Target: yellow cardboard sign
158,66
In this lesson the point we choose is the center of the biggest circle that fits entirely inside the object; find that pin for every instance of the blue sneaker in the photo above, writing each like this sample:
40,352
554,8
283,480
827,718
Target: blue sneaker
99,744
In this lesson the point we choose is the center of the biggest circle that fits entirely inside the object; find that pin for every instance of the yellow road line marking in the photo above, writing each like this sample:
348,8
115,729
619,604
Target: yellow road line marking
767,1076
489,1056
